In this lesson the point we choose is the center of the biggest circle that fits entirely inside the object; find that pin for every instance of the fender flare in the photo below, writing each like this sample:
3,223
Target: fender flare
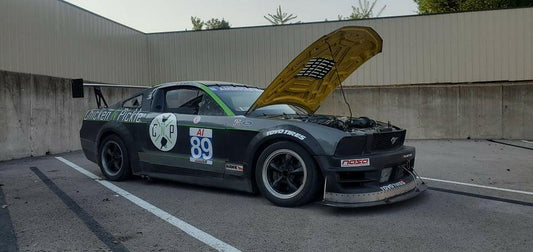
117,128
265,138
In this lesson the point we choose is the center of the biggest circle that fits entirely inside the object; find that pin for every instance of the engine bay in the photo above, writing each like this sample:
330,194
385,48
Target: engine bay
357,125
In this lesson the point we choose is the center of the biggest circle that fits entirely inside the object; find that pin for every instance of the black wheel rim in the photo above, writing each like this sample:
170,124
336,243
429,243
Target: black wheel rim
284,173
112,158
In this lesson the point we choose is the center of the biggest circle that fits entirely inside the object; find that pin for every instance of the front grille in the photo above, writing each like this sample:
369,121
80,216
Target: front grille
354,145
400,171
356,178
388,140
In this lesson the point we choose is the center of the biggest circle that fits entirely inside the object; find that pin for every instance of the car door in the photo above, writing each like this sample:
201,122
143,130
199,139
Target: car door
186,137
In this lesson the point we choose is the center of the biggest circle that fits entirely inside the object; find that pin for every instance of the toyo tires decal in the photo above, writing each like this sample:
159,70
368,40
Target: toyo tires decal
164,131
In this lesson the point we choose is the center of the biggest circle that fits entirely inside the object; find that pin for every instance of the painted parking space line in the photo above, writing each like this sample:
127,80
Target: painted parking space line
7,232
479,186
107,238
481,196
180,224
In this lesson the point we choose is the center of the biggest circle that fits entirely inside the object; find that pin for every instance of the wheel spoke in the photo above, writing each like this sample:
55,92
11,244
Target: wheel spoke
117,152
117,164
276,182
109,152
291,185
275,167
298,170
287,160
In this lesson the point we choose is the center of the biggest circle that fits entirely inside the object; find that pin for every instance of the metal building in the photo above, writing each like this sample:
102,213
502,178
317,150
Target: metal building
54,38
44,43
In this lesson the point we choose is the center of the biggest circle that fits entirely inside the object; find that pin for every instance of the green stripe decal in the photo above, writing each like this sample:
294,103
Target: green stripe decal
217,99
212,127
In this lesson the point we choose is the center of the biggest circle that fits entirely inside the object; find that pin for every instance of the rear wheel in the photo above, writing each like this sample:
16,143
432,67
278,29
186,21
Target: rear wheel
114,160
286,174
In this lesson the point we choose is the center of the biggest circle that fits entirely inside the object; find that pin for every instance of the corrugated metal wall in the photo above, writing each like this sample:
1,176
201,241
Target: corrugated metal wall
461,47
54,38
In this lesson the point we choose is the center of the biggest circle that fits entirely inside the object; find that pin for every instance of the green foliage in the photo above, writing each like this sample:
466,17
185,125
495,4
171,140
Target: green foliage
364,10
445,6
280,17
197,23
215,24
212,24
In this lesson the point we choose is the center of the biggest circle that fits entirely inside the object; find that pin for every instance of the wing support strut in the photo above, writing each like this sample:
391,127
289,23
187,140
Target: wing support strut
79,84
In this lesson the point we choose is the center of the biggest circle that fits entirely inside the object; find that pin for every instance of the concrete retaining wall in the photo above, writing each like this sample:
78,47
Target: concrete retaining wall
453,111
39,116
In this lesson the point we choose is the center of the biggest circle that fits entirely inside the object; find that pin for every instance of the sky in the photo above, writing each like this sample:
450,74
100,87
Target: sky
175,15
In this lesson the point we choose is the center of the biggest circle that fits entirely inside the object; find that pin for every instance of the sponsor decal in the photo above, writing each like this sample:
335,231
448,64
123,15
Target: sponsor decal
201,145
125,115
242,122
196,119
128,115
231,88
355,162
98,115
234,167
392,186
408,155
285,132
164,131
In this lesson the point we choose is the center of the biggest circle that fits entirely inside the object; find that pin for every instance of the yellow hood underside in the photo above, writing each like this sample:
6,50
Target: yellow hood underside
308,80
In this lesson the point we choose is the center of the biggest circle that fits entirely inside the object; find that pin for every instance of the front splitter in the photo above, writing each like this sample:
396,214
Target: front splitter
401,196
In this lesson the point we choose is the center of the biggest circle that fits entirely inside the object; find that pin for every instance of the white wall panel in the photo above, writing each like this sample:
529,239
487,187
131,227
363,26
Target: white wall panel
461,47
55,38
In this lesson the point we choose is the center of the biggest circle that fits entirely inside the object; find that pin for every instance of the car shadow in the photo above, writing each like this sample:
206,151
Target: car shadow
422,199
170,184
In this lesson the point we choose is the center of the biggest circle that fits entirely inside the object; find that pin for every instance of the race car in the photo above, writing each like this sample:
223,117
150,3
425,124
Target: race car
241,137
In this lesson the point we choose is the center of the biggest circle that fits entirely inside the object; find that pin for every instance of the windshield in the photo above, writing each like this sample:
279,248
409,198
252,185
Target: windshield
240,98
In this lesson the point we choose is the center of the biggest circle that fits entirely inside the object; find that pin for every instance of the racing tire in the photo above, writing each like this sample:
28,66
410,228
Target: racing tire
113,159
286,174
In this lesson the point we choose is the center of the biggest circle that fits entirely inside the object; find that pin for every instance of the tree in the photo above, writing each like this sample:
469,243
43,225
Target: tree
446,6
215,24
365,10
280,18
212,24
197,23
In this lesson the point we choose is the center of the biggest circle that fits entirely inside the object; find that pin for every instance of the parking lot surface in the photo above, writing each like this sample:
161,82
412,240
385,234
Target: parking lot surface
480,199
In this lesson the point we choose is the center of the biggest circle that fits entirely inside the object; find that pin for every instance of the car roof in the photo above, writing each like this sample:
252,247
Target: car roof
197,83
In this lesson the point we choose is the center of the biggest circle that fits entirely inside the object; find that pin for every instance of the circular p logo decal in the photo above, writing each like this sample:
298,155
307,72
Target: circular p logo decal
164,131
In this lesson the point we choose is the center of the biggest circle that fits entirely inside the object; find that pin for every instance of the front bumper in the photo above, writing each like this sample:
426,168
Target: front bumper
384,177
381,197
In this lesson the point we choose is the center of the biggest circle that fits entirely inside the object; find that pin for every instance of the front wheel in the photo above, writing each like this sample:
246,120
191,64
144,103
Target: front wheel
114,162
286,174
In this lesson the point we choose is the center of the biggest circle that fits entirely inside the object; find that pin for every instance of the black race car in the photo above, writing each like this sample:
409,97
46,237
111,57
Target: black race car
244,138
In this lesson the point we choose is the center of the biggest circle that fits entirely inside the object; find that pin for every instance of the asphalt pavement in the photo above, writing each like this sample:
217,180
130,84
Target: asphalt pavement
480,199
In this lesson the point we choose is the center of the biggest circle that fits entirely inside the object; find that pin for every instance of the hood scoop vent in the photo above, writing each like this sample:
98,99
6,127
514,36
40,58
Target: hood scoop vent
316,68
309,79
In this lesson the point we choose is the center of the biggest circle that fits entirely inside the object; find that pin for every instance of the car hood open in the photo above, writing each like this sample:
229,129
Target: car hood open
308,80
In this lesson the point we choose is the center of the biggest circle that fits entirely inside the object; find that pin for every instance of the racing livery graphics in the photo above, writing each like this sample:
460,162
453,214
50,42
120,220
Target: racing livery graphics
163,131
240,137
201,145
355,162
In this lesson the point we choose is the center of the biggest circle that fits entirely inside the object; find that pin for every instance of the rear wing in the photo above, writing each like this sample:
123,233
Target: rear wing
78,92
